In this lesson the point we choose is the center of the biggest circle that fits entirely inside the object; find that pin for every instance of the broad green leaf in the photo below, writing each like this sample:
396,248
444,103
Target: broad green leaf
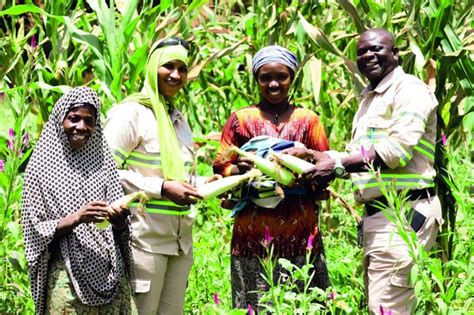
318,37
196,4
194,72
352,11
315,67
419,58
22,9
45,86
165,5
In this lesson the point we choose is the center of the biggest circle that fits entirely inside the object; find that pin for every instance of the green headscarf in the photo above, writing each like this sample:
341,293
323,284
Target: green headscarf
172,164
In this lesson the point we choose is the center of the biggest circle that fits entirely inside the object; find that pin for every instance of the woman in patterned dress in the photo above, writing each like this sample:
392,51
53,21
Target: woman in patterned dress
70,182
295,218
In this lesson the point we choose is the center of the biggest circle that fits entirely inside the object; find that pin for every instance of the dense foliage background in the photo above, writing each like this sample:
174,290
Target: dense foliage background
48,46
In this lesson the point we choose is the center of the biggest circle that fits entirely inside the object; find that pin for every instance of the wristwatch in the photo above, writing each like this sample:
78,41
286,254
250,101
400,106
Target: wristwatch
339,170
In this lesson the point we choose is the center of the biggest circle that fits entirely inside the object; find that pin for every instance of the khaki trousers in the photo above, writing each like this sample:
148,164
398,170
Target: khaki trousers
160,282
387,261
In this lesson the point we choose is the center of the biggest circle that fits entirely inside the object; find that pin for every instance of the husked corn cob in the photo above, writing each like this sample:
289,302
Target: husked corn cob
220,186
125,201
275,171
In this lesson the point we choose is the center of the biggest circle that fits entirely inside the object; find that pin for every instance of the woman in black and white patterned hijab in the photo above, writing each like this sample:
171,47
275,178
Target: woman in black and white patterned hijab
69,183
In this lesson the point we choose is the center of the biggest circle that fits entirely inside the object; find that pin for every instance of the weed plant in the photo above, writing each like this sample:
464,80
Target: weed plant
441,287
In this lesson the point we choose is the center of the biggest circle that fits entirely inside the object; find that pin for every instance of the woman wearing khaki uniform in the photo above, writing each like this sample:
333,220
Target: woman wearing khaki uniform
152,145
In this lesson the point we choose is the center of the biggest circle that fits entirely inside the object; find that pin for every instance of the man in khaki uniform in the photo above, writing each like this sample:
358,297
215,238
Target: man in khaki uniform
395,130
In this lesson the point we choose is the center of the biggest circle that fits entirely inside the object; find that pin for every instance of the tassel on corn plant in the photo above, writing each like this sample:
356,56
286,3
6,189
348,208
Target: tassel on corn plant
125,201
275,171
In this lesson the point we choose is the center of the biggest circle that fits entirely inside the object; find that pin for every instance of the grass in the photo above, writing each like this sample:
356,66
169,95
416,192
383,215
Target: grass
451,283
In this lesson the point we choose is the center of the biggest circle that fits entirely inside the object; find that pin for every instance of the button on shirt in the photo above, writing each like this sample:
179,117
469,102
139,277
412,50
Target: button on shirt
131,132
398,119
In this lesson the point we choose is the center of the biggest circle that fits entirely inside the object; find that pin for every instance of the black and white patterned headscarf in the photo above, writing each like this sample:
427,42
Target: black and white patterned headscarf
59,180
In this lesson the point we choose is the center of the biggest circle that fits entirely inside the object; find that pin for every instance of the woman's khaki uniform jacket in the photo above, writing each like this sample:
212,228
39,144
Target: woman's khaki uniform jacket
131,132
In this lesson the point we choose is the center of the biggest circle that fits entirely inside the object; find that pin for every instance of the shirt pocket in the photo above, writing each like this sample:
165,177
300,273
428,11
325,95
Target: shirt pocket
377,129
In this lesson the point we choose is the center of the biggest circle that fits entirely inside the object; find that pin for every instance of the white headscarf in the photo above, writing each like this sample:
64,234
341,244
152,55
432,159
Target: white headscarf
59,180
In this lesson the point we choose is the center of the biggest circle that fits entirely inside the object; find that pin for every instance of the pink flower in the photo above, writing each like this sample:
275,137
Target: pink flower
311,238
10,144
331,295
310,242
26,139
20,153
383,312
33,42
365,158
2,166
267,237
216,299
11,133
250,310
444,140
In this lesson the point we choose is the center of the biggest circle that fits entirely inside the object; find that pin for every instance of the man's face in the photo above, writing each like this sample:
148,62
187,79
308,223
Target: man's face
376,55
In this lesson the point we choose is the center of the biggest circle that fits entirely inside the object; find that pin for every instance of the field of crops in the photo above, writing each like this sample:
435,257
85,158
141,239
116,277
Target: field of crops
46,47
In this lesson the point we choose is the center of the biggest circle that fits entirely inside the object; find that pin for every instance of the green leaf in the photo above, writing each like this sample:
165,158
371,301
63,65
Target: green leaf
315,68
22,9
194,72
419,58
352,11
318,37
164,5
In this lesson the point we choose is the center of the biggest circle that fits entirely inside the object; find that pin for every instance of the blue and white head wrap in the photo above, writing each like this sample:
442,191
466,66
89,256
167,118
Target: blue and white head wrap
274,53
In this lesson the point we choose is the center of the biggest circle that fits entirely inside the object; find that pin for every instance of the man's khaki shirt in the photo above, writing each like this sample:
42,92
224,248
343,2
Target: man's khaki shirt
398,119
131,132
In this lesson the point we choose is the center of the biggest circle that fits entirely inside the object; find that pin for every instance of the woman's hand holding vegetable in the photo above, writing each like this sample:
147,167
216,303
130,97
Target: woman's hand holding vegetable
117,216
179,192
242,166
94,211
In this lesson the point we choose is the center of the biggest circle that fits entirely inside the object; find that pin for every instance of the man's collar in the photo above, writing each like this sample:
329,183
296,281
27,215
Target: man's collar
386,82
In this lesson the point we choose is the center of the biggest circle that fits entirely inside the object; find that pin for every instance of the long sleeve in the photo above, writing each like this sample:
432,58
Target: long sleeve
126,129
38,231
411,111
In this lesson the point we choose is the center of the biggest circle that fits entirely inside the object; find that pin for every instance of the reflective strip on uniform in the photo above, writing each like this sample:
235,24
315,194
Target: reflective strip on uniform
425,148
165,207
400,181
375,138
144,160
120,155
147,160
405,157
412,114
